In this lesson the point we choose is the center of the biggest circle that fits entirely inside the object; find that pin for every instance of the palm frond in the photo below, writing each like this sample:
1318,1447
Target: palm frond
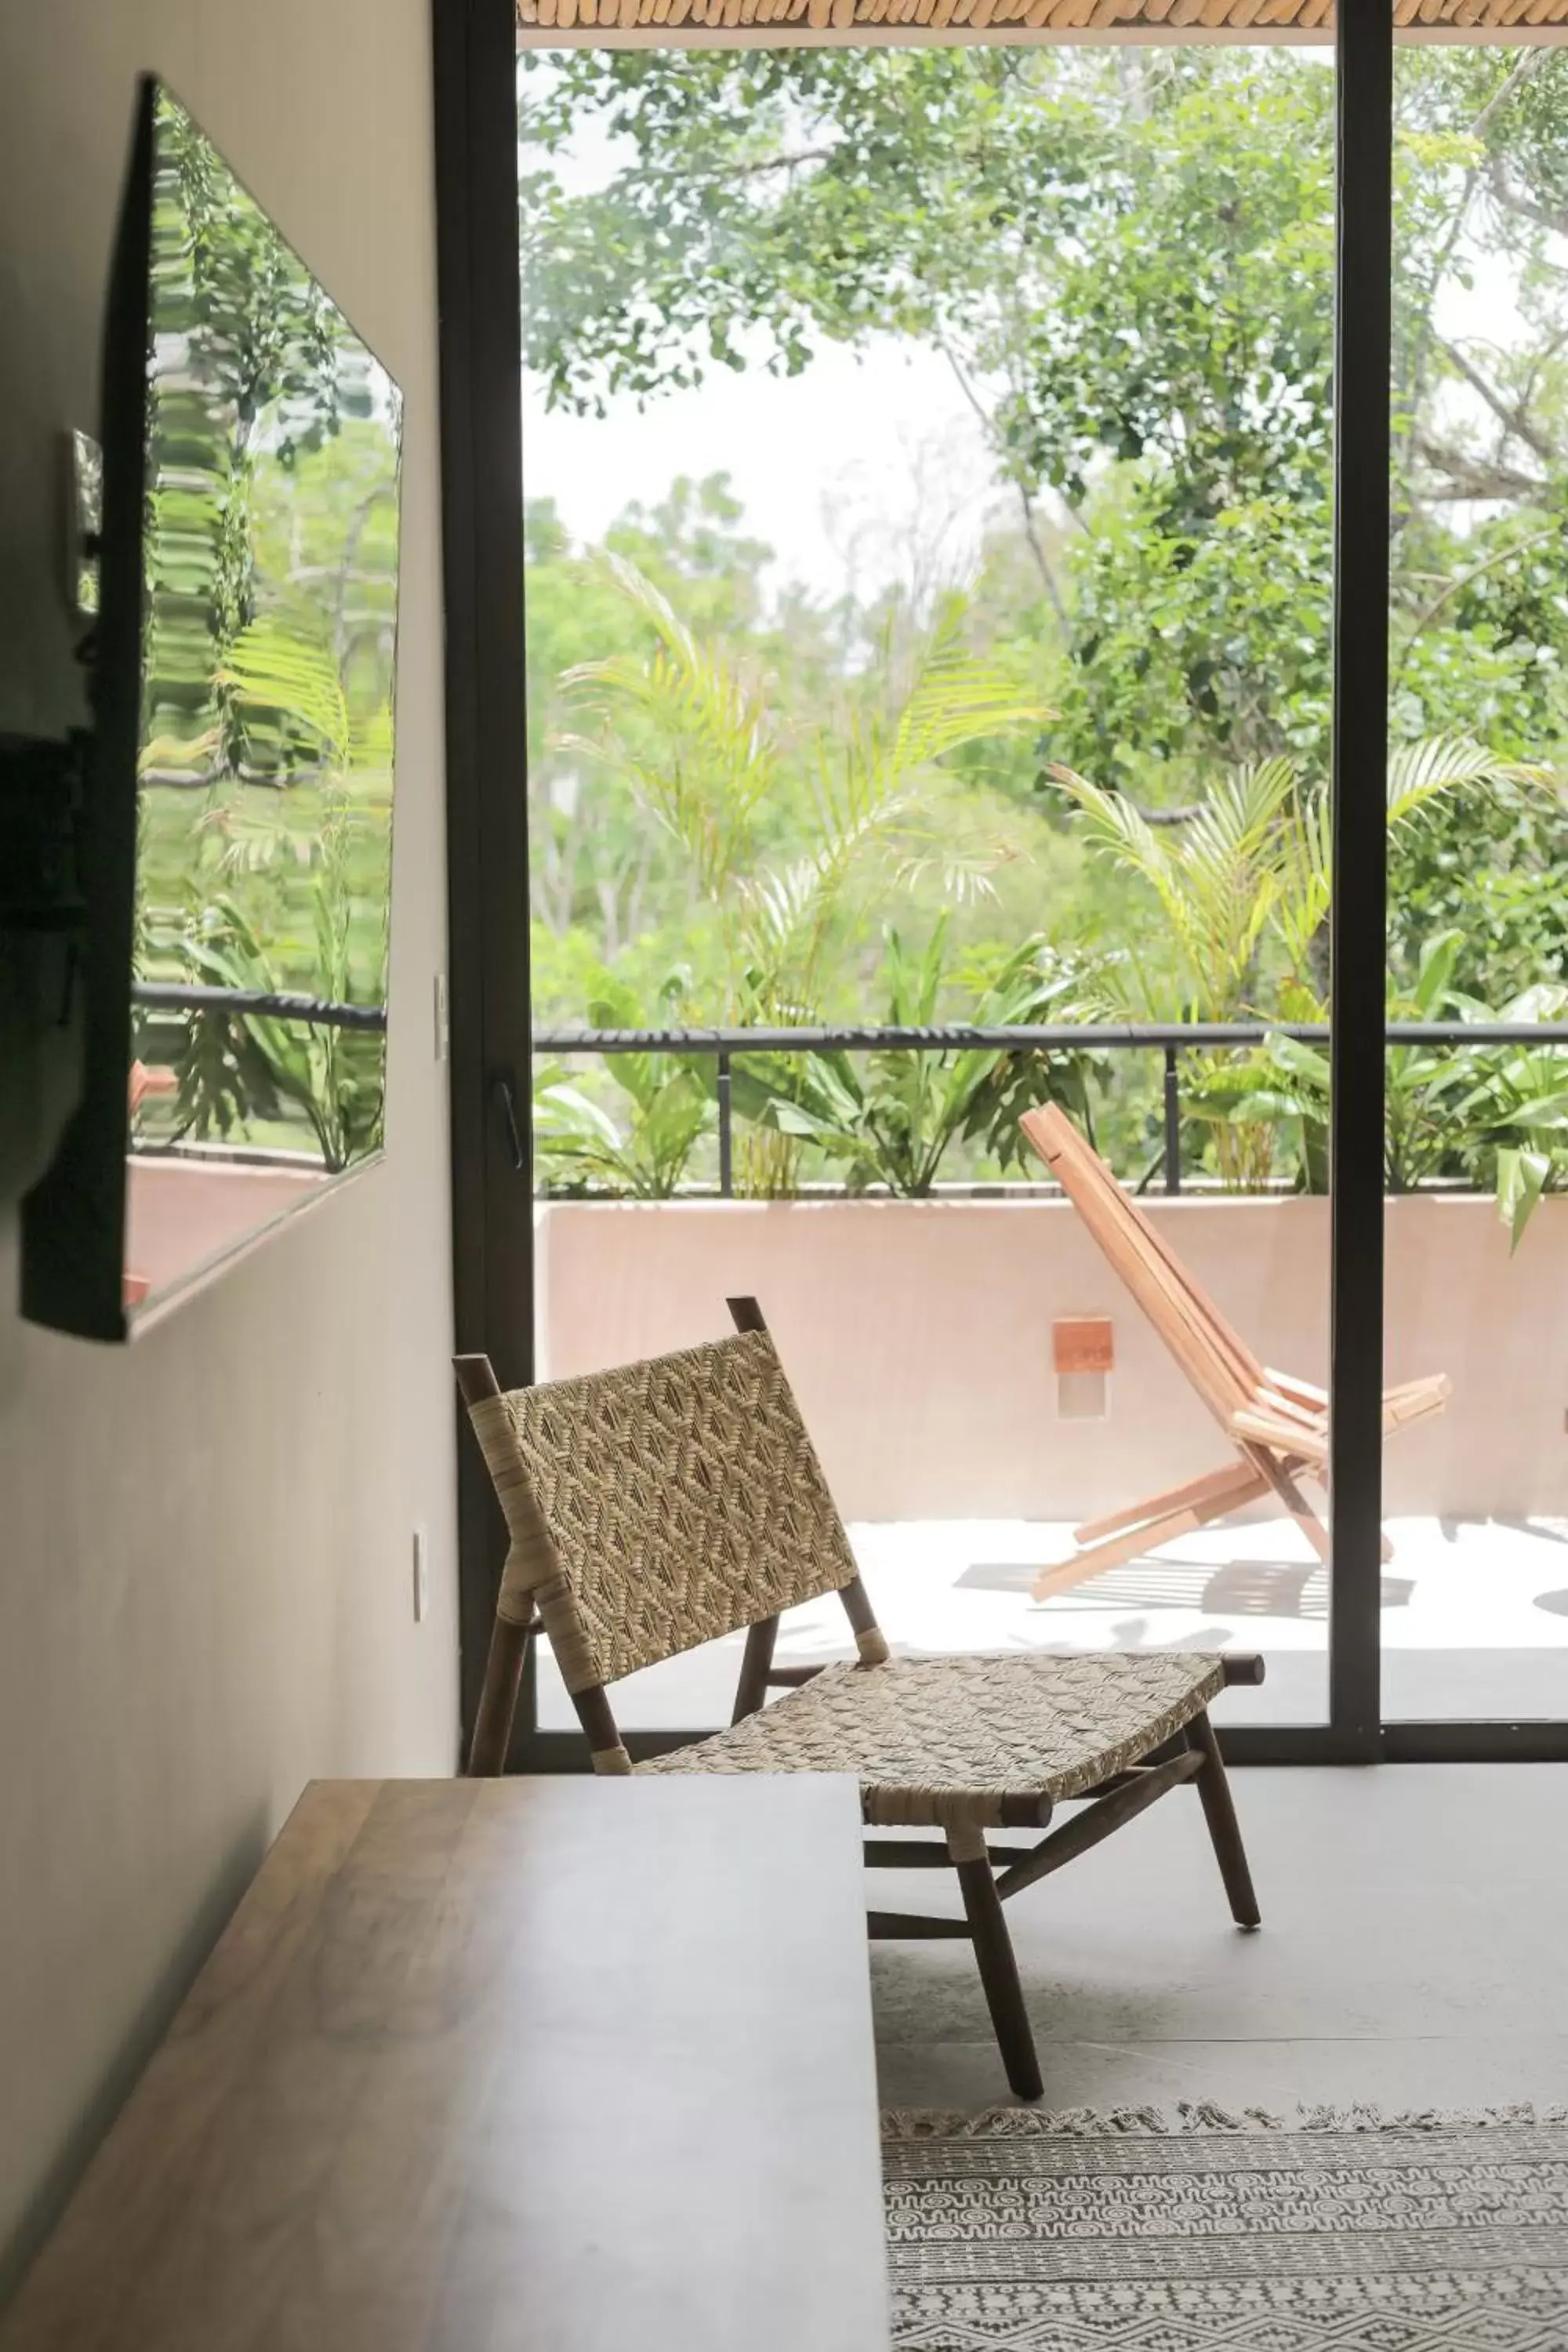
709,757
1306,876
1214,876
691,733
1420,772
956,700
280,670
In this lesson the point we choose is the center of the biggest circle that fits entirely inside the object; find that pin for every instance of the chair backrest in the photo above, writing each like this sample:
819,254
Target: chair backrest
659,1506
1124,1206
1219,1364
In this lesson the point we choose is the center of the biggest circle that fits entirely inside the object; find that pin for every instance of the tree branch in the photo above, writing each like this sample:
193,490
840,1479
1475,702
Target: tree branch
1513,419
1514,200
1539,360
1422,348
1462,580
1042,562
1031,531
1163,816
791,162
1516,76
1512,80
1472,478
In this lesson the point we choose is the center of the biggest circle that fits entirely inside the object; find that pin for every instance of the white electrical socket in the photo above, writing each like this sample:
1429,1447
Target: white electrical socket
421,1576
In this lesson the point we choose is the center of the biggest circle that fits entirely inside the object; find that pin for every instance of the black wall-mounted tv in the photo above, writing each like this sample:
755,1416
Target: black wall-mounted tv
235,833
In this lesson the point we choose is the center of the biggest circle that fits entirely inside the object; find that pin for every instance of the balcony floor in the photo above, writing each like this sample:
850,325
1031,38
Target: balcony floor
1475,1616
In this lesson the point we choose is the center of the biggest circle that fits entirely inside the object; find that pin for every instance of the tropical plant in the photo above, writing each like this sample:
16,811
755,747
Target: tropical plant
288,691
1517,1106
1244,886
693,734
1284,1085
1217,878
713,761
1494,1115
1244,881
890,1117
255,368
670,1107
236,1066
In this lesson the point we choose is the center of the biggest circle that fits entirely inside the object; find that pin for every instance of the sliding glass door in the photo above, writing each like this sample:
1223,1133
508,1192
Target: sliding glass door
1475,1597
937,632
979,578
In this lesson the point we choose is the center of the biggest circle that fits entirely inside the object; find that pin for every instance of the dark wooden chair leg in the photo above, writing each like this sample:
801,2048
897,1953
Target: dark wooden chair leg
755,1667
504,1669
1225,1830
999,1975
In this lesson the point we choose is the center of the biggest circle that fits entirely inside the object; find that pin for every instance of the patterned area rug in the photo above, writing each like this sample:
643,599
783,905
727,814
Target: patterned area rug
1198,2231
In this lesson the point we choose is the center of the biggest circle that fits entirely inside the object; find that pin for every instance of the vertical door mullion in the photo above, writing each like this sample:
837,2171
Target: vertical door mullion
1363,330
487,749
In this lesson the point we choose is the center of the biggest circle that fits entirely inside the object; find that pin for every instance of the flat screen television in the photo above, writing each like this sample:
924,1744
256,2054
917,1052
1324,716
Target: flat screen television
235,843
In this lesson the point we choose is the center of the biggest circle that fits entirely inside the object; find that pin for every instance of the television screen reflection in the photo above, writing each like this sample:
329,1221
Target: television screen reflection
264,848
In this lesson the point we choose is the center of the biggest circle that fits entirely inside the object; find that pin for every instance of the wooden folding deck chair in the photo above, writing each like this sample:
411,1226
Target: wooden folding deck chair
671,1502
1278,1424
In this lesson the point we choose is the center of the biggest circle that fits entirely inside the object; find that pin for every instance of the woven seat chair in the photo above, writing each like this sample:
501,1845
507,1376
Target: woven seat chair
672,1502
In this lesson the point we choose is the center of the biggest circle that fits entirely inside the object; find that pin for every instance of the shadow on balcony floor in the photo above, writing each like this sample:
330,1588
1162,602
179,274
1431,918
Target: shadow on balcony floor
1474,1621
1241,1587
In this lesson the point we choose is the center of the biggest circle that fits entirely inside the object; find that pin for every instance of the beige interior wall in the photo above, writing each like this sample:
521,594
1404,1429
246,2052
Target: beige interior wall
205,1587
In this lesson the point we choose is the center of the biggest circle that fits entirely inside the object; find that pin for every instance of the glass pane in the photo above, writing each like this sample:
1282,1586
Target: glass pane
928,535
264,823
1475,1620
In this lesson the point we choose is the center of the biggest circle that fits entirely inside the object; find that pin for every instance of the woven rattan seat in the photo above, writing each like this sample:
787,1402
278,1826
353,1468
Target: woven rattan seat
678,1500
986,1741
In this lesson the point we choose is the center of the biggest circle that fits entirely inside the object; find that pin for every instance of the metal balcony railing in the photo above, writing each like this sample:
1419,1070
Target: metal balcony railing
1169,1039
177,996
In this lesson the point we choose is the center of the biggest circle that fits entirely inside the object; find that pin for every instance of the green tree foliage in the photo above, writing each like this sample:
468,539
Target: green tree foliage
599,856
1126,257
699,743
270,553
243,336
893,1118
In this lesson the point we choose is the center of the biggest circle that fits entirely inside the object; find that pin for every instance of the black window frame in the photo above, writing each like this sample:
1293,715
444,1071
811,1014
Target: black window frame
475,45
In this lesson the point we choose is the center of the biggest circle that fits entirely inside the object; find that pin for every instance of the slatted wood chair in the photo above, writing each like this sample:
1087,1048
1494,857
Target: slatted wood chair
672,1502
1278,1425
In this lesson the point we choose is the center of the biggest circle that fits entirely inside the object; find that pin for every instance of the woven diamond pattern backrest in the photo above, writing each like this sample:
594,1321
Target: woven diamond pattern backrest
682,1498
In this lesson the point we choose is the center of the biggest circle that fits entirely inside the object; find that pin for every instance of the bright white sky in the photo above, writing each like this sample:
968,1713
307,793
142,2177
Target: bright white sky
864,467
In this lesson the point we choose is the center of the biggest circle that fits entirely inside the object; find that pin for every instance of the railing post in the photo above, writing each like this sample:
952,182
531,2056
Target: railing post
726,1132
1172,1123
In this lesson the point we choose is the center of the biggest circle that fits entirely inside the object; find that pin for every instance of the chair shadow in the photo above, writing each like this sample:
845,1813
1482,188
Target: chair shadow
1240,1587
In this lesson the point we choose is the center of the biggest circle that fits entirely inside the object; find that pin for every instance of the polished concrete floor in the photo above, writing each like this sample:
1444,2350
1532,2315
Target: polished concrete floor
1414,1945
1413,1954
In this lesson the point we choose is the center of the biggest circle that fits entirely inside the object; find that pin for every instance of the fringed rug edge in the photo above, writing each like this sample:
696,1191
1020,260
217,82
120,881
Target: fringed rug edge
1198,2116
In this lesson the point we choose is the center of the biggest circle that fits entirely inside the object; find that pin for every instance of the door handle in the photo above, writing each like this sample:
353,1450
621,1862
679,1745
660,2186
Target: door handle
501,1093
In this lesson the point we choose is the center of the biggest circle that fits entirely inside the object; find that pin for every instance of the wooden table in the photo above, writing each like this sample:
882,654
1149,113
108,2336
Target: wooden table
492,2065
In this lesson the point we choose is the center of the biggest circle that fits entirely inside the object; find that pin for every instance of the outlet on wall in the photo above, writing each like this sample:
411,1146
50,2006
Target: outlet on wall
1083,1396
421,1575
1083,1352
